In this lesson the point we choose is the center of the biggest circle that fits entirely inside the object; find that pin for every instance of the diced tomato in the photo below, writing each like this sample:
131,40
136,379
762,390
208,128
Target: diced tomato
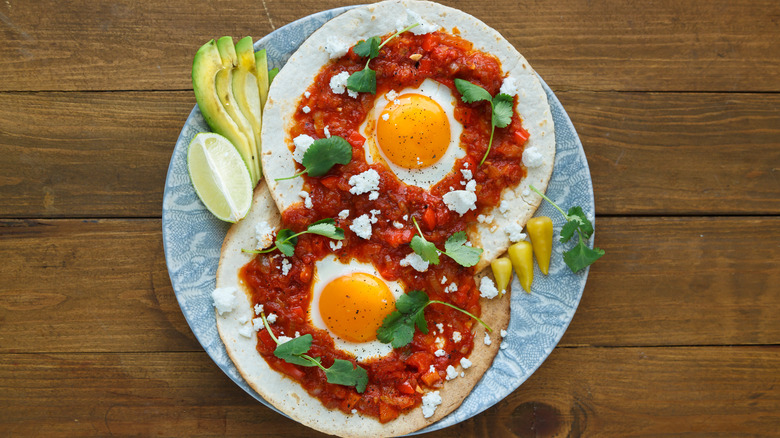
521,135
387,412
430,378
355,139
420,360
406,388
399,237
331,182
290,369
429,217
428,42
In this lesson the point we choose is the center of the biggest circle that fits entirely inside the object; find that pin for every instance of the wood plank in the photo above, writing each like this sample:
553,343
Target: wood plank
102,286
699,45
728,391
115,164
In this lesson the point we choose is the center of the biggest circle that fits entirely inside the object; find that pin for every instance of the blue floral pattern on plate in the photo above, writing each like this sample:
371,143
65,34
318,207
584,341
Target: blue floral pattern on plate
192,238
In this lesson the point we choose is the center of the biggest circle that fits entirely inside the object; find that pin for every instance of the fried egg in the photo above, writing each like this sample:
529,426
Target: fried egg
350,301
414,132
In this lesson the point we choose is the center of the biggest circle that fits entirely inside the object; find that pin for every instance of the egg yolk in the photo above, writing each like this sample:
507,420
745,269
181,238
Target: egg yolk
353,306
413,131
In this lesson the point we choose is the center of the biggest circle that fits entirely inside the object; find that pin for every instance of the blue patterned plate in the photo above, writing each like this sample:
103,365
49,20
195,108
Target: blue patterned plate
193,237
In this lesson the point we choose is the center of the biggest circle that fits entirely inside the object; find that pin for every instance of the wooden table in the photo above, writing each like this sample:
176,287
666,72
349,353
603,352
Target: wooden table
678,109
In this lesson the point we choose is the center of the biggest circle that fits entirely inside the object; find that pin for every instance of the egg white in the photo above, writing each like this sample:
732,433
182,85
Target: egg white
425,177
330,268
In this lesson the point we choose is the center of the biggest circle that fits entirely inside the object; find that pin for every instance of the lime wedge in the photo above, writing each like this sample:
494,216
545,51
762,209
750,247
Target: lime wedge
220,176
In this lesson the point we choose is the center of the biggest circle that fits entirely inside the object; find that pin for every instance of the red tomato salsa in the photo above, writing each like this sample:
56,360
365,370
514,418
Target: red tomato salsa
397,381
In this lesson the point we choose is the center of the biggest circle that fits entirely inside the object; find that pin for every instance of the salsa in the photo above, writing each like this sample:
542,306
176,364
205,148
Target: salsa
398,380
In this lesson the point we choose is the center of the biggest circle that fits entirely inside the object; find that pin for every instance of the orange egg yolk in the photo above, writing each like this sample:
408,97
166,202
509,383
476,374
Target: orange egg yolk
416,133
353,306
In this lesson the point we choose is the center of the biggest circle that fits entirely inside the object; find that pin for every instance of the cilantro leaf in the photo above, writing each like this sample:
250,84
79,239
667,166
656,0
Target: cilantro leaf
286,241
398,327
426,250
325,153
567,232
503,108
369,47
581,256
455,247
327,228
343,373
584,225
470,92
363,81
292,350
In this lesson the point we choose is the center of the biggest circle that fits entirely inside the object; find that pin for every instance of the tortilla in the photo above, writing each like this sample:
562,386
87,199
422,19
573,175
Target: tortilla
519,203
286,394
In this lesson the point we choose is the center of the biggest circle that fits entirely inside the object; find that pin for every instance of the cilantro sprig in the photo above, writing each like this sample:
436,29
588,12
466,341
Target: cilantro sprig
397,328
295,352
455,248
365,80
579,256
286,239
501,106
322,155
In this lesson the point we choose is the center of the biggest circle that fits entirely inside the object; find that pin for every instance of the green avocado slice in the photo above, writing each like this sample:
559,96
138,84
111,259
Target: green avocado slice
224,79
246,92
206,66
263,83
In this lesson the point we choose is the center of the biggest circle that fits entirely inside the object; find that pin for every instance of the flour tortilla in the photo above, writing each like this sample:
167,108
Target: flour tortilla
287,395
380,19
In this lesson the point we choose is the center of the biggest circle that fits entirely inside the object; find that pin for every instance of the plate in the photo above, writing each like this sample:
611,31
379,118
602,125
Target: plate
192,238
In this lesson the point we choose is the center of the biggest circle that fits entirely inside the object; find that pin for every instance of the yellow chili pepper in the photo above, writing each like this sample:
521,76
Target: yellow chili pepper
521,254
502,272
540,230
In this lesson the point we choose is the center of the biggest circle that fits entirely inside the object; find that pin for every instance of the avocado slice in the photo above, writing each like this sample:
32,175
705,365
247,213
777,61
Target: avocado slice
245,90
205,67
261,59
224,79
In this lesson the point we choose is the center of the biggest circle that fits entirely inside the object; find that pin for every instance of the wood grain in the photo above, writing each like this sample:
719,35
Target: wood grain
700,45
107,154
663,281
577,392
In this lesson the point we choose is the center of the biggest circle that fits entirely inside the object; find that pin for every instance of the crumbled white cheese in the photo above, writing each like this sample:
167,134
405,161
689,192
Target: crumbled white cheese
306,94
504,207
462,374
362,226
487,339
271,318
336,245
440,326
365,182
515,232
354,411
503,333
439,353
326,131
282,339
224,299
460,201
465,363
443,279
286,266
257,324
343,214
487,289
406,217
306,199
526,192
258,309
483,219
415,261
440,342
451,372
509,86
297,334
264,234
412,17
385,116
338,84
373,196
503,345
306,109
374,214
246,331
243,319
398,225
335,47
451,288
302,143
532,157
466,174
391,95
456,337
432,369
471,186
429,403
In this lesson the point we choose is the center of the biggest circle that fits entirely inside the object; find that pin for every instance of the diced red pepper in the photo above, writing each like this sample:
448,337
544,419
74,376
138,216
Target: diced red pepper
387,412
420,360
429,217
521,135
428,43
331,182
406,388
355,139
